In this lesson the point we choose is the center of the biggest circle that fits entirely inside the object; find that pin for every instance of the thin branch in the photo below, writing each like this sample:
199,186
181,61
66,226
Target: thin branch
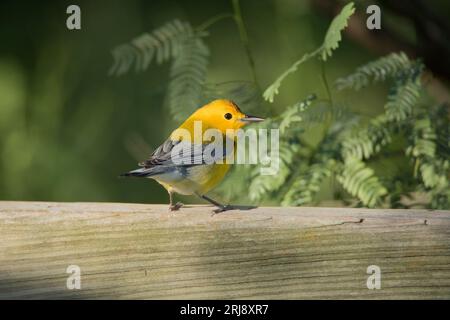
384,42
244,37
208,23
325,83
330,98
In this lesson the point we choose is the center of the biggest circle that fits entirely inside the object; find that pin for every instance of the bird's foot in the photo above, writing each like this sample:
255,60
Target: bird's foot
175,207
223,208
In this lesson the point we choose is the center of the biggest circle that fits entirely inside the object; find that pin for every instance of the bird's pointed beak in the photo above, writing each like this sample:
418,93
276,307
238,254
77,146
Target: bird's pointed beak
250,119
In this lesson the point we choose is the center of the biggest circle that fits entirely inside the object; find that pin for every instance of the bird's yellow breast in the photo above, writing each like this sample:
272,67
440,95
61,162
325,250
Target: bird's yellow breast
194,180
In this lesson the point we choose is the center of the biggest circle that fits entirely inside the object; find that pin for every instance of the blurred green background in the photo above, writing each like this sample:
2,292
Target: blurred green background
66,126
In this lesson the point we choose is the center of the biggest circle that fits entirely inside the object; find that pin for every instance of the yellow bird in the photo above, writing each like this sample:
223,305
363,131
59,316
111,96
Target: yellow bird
186,174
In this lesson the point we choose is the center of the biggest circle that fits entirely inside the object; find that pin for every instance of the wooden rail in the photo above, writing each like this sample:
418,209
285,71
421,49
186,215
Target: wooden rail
137,251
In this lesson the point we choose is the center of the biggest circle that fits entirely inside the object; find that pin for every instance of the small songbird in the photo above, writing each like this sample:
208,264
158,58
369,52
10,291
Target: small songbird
193,177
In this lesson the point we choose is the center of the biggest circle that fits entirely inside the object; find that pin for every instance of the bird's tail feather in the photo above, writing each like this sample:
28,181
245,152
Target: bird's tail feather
141,172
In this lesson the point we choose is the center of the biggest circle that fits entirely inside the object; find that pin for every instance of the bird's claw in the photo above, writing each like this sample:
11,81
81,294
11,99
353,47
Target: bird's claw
176,207
222,209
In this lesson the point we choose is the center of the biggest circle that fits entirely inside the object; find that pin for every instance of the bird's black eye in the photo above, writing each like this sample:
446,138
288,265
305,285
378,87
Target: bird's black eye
228,116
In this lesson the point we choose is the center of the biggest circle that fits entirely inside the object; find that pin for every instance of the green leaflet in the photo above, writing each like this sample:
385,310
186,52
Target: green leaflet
304,188
263,185
394,65
162,44
363,142
330,43
293,113
402,99
175,41
274,88
430,169
361,182
187,78
334,33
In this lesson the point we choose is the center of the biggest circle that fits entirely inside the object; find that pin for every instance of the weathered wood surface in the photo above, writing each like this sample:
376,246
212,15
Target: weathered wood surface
137,251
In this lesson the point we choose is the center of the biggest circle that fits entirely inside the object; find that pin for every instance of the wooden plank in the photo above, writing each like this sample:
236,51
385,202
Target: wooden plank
136,251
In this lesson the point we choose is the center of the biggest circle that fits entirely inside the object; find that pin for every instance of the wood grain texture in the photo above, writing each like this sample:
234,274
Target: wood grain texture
136,251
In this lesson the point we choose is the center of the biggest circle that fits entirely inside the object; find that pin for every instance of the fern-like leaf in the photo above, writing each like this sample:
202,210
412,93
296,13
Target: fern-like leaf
293,113
187,78
393,65
423,139
402,100
441,200
433,171
305,187
361,182
361,143
263,185
322,165
331,42
334,33
274,88
435,174
161,44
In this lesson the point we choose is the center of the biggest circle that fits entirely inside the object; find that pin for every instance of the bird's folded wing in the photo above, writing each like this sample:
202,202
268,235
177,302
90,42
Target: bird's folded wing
185,153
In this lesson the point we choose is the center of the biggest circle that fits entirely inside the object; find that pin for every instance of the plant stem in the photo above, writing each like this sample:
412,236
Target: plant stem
244,37
325,83
330,98
208,23
330,118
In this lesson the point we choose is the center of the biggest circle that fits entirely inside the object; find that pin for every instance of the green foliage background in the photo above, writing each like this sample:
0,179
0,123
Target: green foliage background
68,128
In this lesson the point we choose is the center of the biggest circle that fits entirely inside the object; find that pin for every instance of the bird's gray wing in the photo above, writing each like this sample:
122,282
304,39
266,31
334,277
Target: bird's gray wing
177,153
161,155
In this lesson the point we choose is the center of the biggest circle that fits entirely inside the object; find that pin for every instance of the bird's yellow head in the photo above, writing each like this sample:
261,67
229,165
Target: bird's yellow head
222,115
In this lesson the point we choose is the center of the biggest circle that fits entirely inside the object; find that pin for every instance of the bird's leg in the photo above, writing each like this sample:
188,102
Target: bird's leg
173,207
220,207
